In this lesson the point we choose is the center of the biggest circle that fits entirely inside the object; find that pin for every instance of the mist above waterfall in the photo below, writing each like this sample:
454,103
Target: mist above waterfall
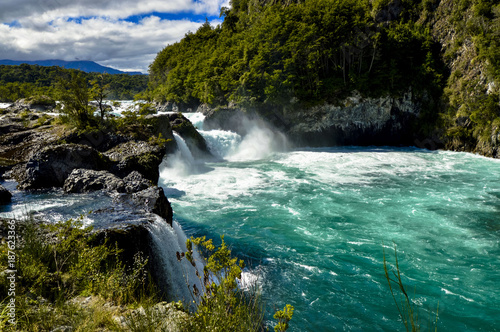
259,142
255,139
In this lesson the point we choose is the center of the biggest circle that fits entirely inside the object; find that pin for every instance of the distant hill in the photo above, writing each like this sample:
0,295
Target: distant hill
86,66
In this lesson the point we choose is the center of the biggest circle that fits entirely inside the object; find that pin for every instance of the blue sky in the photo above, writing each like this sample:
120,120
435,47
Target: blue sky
123,34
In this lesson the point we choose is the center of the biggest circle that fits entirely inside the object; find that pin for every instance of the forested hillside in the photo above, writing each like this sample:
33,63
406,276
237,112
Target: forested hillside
27,80
275,54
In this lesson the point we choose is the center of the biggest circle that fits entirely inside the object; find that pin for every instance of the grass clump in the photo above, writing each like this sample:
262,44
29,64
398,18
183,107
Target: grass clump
57,266
67,280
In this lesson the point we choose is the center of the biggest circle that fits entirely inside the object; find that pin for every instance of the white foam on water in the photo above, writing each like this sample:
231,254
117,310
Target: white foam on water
196,119
177,275
221,143
259,143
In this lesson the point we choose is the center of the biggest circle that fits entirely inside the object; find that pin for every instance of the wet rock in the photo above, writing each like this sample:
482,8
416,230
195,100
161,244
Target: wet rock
140,156
52,165
135,182
87,180
5,195
356,121
191,136
153,200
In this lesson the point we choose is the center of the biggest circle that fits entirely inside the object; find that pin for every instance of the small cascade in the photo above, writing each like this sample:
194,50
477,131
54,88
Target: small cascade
221,143
186,154
196,119
176,275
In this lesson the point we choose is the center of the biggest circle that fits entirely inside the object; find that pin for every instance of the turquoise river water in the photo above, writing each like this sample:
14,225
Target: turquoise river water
312,225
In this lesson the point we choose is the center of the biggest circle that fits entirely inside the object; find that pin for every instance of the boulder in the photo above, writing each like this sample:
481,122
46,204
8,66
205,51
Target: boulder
52,165
191,136
34,104
135,182
86,180
5,196
144,157
153,200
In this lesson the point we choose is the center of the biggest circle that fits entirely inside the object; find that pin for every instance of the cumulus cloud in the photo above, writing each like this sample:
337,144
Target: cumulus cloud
97,30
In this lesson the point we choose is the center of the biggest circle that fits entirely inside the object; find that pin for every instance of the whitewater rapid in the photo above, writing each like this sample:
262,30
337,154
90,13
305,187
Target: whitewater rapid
312,225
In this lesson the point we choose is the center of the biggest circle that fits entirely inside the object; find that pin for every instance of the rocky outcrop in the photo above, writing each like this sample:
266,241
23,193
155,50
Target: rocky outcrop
153,200
135,182
161,127
52,165
356,121
33,104
87,180
101,140
5,196
21,137
191,136
140,156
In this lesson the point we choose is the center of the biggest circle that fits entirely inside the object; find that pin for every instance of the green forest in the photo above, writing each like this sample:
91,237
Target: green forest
296,54
25,81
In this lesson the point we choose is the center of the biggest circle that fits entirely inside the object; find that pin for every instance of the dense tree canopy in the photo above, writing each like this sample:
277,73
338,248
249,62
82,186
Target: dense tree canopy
318,50
277,53
27,80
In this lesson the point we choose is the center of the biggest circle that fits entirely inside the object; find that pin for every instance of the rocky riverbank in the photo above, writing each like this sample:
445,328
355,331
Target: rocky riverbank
123,164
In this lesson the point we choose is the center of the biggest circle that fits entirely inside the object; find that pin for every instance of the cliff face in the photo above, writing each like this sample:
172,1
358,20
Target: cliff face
471,103
357,121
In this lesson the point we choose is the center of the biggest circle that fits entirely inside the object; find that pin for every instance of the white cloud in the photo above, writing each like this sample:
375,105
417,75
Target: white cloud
95,29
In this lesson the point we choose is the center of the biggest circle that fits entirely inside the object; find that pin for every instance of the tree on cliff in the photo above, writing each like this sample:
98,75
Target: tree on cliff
74,96
98,93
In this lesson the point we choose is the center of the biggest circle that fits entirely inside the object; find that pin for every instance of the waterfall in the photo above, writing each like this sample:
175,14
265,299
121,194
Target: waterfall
196,119
175,275
221,143
186,154
259,142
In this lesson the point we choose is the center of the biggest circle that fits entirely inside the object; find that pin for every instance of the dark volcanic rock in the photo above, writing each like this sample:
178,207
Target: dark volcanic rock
153,200
100,140
138,156
5,196
18,143
86,180
52,165
148,201
133,239
191,136
135,182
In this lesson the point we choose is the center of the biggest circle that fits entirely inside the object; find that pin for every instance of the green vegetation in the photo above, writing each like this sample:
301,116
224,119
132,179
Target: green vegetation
24,81
310,52
58,263
408,311
472,93
67,278
271,55
220,303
